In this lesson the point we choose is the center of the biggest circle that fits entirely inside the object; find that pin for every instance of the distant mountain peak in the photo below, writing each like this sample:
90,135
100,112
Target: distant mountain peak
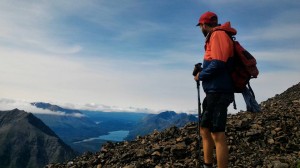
54,108
167,114
27,142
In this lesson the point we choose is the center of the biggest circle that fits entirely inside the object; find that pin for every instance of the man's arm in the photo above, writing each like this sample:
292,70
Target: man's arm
214,67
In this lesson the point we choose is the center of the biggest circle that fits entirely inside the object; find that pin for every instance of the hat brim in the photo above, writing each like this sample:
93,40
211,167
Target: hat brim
198,24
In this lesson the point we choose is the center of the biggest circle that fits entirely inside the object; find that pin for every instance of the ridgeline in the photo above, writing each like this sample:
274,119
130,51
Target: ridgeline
26,142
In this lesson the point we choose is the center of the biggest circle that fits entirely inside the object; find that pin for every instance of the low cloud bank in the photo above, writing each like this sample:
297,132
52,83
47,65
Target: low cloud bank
10,104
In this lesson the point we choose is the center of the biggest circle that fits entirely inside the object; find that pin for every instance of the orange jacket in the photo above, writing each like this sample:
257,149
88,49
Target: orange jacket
215,76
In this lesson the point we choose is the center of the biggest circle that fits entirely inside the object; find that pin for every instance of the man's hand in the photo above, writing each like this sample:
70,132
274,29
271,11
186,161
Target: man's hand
197,77
197,70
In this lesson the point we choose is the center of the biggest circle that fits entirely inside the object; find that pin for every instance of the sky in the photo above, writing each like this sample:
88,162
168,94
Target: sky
135,55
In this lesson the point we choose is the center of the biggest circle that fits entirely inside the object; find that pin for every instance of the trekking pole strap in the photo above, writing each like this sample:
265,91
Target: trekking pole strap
234,103
250,88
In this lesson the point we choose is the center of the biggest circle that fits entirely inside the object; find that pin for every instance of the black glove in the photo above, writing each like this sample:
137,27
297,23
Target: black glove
197,69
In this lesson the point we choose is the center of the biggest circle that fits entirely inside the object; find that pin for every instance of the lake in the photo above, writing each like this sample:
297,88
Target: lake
112,136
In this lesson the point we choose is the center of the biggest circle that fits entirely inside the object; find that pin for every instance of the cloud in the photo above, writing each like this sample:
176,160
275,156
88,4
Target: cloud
283,60
291,32
107,108
10,104
140,30
32,26
269,84
48,77
282,27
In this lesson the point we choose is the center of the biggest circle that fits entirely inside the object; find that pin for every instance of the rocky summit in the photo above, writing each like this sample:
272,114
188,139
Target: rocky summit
269,139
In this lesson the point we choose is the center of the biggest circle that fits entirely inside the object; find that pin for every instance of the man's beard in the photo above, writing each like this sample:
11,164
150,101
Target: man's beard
205,32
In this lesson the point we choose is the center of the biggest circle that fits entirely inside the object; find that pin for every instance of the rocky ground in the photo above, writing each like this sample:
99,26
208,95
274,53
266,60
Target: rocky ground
270,139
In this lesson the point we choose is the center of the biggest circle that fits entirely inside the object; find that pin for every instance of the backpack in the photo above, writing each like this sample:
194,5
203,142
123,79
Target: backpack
244,66
243,69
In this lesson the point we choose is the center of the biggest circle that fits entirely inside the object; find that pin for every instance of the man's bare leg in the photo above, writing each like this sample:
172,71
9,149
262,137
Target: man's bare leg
208,145
221,149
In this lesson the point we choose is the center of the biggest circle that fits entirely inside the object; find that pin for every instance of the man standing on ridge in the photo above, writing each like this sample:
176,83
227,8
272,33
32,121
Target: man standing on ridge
218,87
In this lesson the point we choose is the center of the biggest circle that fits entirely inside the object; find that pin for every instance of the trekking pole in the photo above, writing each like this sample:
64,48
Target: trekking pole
199,119
197,70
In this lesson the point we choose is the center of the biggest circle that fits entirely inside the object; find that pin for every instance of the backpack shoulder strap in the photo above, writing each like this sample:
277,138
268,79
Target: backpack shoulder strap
208,36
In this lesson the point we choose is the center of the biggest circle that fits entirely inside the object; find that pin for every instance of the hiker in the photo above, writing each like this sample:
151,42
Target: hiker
218,87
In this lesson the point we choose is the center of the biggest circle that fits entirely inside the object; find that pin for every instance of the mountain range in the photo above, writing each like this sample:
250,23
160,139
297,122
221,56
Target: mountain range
70,125
26,142
37,139
80,128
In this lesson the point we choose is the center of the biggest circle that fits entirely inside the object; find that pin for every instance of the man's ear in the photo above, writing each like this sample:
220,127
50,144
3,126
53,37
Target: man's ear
204,26
207,27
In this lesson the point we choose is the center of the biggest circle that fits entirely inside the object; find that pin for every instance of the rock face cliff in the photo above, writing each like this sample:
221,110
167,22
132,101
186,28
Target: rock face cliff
267,139
26,141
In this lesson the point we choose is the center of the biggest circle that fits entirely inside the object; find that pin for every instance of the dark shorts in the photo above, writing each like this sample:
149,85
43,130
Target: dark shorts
214,114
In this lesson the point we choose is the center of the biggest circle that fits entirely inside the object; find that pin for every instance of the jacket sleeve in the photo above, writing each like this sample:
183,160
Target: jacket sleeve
214,67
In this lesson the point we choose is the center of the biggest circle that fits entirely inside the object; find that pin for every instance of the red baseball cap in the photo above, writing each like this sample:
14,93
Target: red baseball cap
208,17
